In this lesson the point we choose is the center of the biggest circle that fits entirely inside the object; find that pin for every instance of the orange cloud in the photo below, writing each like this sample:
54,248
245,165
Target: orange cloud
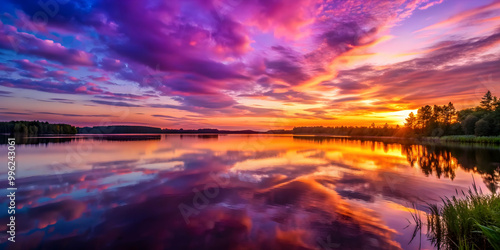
463,16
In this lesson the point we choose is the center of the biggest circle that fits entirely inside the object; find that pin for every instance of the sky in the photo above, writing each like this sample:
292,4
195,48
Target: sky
244,64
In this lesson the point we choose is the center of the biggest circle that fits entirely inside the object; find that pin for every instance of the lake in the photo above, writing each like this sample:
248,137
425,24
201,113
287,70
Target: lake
233,191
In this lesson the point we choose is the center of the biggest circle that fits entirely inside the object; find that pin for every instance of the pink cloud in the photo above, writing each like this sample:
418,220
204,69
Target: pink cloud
25,43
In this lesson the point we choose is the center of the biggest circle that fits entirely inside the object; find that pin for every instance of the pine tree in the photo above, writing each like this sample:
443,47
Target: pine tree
411,121
487,101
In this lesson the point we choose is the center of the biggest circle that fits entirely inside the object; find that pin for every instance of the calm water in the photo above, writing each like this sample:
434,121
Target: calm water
233,192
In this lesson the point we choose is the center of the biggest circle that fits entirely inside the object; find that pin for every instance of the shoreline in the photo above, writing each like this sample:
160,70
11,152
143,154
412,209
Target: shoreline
466,139
453,139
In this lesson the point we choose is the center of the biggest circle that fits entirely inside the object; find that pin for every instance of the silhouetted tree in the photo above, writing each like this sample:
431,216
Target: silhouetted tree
424,115
35,128
449,114
411,121
469,124
488,101
446,120
482,128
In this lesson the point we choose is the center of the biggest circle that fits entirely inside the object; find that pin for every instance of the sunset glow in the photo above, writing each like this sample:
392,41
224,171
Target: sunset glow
238,64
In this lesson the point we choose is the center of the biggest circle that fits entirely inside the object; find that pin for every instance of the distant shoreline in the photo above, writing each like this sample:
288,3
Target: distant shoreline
44,129
463,139
467,139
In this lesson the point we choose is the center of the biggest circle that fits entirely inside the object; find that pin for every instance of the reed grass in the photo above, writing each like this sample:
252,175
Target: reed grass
468,222
471,138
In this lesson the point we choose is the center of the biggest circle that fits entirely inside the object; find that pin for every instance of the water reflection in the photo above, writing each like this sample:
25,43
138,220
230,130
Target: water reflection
198,136
36,141
443,161
45,140
235,191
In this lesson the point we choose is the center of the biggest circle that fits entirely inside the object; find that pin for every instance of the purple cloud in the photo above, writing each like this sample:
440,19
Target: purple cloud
118,104
25,43
52,86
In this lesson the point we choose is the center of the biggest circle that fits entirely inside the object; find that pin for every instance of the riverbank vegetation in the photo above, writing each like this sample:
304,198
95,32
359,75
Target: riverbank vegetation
483,120
33,128
372,130
478,124
469,222
471,138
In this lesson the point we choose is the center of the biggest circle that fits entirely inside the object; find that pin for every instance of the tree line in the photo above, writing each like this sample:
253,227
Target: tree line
35,128
482,120
436,120
120,129
372,130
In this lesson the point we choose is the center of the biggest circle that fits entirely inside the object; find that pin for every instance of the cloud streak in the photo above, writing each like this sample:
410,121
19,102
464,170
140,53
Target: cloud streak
250,59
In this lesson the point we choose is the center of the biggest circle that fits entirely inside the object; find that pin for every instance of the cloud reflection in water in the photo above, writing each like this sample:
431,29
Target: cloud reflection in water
291,193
